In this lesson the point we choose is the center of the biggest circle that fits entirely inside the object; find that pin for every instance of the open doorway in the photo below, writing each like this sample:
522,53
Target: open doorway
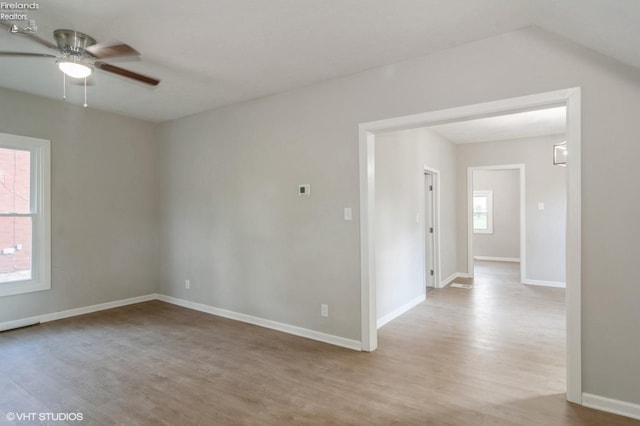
569,98
496,197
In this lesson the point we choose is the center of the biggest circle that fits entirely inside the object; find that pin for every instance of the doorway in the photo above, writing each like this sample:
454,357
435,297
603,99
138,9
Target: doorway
494,203
367,135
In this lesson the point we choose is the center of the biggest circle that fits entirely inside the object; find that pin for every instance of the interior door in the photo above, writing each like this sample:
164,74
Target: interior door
429,225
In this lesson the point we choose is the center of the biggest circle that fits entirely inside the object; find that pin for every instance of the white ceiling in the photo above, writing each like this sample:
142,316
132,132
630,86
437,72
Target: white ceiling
210,53
550,121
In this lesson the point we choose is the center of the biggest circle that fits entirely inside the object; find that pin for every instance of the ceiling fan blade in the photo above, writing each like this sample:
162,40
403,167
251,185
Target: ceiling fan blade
111,49
26,55
126,73
40,40
32,36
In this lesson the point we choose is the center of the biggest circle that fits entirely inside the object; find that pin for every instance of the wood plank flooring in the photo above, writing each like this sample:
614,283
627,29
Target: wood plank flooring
492,355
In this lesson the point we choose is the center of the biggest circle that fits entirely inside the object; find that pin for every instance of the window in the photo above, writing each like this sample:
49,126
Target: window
25,236
483,212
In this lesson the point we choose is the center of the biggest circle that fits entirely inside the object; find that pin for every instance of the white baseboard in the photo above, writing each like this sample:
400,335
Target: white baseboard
24,322
74,312
286,328
274,325
609,405
452,277
401,310
544,283
497,259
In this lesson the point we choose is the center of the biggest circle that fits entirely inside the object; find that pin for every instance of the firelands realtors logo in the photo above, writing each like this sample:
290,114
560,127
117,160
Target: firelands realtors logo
16,11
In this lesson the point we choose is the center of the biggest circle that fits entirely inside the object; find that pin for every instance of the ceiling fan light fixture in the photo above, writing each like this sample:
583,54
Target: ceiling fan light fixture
75,69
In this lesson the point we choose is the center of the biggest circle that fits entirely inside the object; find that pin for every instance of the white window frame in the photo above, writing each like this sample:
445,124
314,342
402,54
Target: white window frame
40,213
488,194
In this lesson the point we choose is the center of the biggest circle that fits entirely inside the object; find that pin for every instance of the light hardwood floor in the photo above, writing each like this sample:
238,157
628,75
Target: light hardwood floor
493,355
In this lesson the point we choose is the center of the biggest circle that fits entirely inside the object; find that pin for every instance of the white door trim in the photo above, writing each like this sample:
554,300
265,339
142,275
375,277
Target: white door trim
568,97
437,265
523,227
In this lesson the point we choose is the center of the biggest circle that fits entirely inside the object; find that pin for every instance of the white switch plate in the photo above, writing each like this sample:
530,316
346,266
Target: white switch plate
540,206
187,284
348,214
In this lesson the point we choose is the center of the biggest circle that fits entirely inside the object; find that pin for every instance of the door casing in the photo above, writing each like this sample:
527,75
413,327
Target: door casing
571,98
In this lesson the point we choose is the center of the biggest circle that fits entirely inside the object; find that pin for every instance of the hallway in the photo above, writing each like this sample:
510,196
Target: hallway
491,354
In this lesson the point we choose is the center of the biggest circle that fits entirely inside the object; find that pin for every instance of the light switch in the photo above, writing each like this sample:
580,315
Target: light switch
347,213
540,206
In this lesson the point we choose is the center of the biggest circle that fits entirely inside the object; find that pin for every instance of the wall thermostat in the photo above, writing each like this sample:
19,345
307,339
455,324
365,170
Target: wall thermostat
304,189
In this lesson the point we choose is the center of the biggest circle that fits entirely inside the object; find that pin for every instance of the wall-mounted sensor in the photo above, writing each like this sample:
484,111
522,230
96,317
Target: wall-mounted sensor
304,189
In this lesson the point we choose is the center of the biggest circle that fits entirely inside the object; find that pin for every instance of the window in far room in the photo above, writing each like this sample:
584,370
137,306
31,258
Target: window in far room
24,215
483,212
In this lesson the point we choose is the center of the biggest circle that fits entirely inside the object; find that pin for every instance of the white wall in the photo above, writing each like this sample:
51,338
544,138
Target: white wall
544,182
505,239
104,197
233,223
400,200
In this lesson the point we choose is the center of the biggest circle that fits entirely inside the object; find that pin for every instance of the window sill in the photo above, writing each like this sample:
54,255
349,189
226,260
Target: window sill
22,287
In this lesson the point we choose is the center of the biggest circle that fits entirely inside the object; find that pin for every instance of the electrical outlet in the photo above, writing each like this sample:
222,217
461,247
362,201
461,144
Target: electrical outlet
187,284
324,310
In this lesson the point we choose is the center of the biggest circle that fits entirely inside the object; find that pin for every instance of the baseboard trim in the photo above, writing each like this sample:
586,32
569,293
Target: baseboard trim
452,277
401,310
25,322
285,328
544,283
74,312
610,405
497,259
274,325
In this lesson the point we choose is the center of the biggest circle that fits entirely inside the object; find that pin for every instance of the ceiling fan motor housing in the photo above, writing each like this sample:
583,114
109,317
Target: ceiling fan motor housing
72,42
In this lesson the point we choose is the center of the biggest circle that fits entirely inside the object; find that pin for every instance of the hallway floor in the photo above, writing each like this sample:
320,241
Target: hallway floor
494,354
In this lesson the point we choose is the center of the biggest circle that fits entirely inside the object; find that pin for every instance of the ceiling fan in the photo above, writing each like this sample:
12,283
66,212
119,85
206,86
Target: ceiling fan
78,54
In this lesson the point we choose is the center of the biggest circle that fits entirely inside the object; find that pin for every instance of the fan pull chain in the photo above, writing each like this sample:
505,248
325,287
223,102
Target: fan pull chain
64,87
85,92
